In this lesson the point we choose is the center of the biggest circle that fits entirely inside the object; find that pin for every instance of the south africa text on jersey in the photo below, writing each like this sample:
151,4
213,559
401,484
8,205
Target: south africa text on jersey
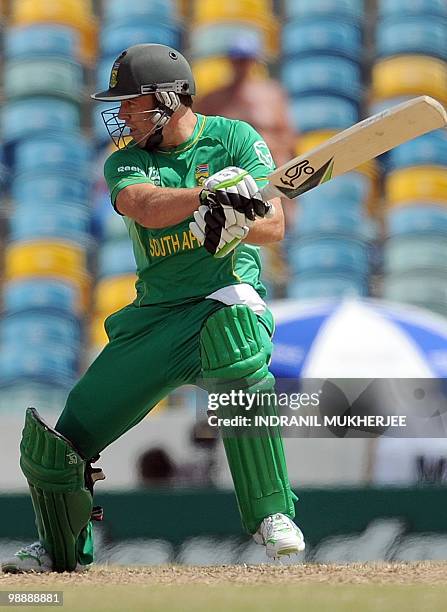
172,243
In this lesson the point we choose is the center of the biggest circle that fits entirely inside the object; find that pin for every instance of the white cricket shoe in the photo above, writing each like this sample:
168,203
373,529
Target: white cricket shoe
32,559
280,536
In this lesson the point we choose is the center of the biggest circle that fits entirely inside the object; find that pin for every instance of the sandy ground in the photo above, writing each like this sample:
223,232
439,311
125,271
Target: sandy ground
423,573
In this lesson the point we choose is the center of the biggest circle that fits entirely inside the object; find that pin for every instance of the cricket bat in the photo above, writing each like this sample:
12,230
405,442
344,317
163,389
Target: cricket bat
356,145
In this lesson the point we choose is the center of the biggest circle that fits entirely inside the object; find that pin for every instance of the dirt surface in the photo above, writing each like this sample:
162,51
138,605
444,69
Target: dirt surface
424,573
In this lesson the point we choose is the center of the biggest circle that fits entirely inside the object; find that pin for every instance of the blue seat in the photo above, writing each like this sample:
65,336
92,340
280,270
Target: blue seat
50,187
40,328
418,8
413,35
61,152
429,149
327,254
100,132
120,35
325,36
419,288
116,257
40,40
162,10
419,218
331,219
412,252
40,293
51,221
318,285
53,365
339,9
29,116
218,38
351,188
322,75
313,113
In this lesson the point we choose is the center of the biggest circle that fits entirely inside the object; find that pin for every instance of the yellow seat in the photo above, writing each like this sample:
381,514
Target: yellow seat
409,75
417,183
213,72
75,13
44,258
114,293
241,10
97,334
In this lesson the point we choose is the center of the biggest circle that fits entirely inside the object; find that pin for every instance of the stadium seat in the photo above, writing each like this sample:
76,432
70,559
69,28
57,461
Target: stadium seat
41,40
213,11
160,10
113,293
114,227
323,75
55,221
352,187
28,117
77,14
418,8
409,75
339,9
417,218
429,149
48,77
329,254
411,253
40,293
97,334
116,258
331,217
421,35
418,288
321,36
67,151
53,365
50,186
37,327
210,73
416,183
310,286
310,113
216,39
118,36
45,258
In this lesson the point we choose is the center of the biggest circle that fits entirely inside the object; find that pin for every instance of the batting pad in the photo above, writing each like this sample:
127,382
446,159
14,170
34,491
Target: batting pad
62,503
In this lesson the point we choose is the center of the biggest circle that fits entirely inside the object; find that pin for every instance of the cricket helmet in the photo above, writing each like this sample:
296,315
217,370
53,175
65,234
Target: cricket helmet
147,69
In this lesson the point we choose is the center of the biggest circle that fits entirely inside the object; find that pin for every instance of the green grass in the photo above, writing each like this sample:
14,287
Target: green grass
263,598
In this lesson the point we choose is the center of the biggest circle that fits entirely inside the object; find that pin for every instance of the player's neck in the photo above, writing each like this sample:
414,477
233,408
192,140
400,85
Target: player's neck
175,134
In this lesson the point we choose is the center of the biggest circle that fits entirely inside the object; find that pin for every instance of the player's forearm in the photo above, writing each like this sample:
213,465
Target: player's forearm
268,230
157,207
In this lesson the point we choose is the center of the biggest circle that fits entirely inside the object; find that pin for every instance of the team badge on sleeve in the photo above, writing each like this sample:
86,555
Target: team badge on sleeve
263,154
202,172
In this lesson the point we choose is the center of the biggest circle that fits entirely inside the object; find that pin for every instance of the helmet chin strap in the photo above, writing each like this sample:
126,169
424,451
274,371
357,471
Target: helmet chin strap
154,140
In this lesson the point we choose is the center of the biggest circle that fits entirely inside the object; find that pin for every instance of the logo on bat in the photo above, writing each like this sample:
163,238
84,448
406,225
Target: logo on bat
315,178
294,172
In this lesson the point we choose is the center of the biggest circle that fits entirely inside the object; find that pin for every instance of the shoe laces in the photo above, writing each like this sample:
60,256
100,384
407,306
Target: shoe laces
276,522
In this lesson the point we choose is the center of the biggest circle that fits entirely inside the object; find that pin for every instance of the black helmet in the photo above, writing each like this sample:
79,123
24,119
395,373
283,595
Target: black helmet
148,69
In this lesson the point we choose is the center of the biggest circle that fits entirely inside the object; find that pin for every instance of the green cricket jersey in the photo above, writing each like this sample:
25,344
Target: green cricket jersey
171,266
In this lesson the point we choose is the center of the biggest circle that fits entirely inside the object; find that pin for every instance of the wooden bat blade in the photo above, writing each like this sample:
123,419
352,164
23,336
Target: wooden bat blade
356,145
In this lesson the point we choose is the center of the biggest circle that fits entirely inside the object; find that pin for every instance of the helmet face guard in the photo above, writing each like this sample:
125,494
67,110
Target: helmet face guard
156,118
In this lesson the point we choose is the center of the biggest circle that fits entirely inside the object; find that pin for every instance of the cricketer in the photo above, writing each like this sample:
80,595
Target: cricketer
188,189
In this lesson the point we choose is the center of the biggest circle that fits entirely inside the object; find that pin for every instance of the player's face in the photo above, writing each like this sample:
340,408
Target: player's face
134,113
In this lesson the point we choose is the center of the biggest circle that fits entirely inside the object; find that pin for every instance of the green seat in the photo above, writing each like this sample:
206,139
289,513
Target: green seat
415,253
53,77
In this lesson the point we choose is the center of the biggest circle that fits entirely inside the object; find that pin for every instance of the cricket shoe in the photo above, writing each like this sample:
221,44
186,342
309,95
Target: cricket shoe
280,536
32,559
